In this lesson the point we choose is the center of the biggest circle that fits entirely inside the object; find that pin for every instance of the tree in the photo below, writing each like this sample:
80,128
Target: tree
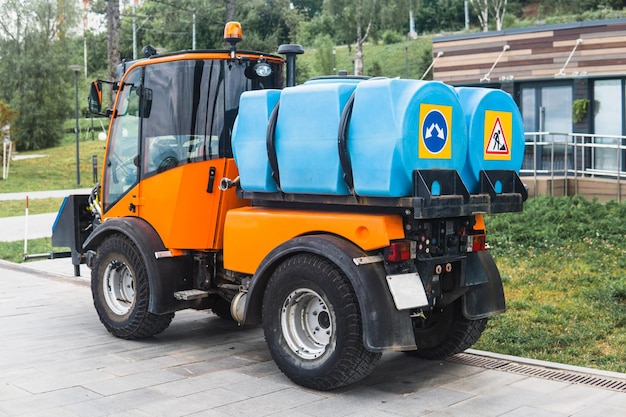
355,18
499,8
34,78
7,114
309,8
361,37
113,37
324,55
230,9
482,8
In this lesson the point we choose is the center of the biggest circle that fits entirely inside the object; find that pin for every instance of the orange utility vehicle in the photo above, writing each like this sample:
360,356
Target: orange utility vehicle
335,280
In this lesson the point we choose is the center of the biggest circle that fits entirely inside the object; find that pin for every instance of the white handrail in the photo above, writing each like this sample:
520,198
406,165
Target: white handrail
575,155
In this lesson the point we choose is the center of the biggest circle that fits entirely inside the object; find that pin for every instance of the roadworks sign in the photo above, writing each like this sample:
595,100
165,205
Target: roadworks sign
498,135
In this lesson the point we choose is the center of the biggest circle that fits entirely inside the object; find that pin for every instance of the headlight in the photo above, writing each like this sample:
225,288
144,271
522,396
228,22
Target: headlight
262,68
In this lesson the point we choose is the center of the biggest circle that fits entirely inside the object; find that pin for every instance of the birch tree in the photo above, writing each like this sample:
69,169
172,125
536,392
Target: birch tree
499,9
354,20
482,7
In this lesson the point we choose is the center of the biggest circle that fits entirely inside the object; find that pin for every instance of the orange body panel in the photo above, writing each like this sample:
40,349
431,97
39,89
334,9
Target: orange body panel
176,203
122,207
252,232
479,222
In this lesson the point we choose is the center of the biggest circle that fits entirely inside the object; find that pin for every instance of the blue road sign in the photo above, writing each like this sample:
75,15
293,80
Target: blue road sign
435,131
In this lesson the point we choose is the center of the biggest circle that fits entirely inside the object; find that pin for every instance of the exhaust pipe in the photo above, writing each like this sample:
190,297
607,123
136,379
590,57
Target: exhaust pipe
290,51
237,307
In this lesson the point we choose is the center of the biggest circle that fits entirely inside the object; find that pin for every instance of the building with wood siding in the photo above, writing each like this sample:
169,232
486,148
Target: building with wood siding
568,80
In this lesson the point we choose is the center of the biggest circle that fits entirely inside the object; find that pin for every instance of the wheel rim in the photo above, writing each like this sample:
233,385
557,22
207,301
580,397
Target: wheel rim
307,323
118,287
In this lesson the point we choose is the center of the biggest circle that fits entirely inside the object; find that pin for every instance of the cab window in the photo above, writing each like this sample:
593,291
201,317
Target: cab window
186,117
121,171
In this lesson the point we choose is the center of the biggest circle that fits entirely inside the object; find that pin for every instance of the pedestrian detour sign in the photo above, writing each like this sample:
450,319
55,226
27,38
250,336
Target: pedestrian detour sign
498,135
435,132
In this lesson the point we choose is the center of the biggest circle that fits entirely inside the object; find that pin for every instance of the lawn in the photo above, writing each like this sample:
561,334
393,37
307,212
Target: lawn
55,168
35,206
562,262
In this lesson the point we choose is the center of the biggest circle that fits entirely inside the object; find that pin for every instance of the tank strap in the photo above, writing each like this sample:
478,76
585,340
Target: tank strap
270,140
342,142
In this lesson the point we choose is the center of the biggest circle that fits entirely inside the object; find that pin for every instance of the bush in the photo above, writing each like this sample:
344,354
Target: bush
390,37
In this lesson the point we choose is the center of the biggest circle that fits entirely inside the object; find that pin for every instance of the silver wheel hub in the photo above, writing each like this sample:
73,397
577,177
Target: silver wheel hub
307,324
118,287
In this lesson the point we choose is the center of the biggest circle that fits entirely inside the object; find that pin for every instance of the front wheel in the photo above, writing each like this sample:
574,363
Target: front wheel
312,324
121,294
445,332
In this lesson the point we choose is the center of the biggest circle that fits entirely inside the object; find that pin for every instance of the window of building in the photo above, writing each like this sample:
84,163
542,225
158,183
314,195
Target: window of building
609,97
547,108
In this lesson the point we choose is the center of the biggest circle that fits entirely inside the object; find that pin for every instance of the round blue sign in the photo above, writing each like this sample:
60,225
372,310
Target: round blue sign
435,131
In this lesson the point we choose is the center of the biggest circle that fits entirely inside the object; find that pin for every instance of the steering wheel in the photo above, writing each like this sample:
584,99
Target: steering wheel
124,170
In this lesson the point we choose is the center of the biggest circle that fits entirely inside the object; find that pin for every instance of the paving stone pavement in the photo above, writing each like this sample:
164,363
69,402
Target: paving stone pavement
56,359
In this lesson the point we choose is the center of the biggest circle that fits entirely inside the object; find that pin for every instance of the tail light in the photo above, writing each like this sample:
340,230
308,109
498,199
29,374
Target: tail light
401,251
477,240
476,243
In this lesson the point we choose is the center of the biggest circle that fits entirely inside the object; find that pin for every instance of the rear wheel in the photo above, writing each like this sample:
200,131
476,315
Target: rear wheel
445,332
121,293
312,324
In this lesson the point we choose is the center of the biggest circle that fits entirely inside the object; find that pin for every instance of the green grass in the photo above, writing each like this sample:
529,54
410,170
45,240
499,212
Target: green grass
35,206
562,262
56,169
14,251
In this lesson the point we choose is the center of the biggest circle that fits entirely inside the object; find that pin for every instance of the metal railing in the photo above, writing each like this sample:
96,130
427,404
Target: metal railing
574,155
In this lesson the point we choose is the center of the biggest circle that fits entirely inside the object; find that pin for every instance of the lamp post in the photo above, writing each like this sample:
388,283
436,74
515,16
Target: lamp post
334,60
406,62
76,69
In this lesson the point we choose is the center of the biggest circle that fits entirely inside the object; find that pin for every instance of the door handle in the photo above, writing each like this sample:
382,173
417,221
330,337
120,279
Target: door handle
209,187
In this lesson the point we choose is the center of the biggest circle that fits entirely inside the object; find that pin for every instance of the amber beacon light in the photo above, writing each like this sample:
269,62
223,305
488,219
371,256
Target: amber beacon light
232,34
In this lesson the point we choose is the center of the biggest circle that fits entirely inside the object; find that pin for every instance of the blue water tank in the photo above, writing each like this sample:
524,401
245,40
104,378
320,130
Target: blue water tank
496,133
398,126
306,138
249,140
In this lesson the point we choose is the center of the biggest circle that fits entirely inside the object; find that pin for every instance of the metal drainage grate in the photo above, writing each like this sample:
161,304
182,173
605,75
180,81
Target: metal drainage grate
613,384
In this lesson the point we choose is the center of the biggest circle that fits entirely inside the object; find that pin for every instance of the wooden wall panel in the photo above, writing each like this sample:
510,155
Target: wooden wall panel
534,52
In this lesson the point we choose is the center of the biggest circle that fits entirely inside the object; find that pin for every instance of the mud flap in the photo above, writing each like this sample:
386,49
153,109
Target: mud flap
385,328
166,275
487,298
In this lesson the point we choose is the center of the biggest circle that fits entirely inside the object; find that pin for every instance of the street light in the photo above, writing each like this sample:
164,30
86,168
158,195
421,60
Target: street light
76,69
334,60
406,61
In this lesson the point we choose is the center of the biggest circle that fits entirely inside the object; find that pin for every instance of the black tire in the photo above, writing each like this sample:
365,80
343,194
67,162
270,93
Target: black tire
221,308
121,293
312,324
445,332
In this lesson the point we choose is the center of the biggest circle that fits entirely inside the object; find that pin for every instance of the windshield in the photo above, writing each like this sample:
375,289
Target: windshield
122,160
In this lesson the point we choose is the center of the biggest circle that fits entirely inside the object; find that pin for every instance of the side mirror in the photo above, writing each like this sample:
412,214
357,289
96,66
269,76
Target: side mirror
95,97
146,103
